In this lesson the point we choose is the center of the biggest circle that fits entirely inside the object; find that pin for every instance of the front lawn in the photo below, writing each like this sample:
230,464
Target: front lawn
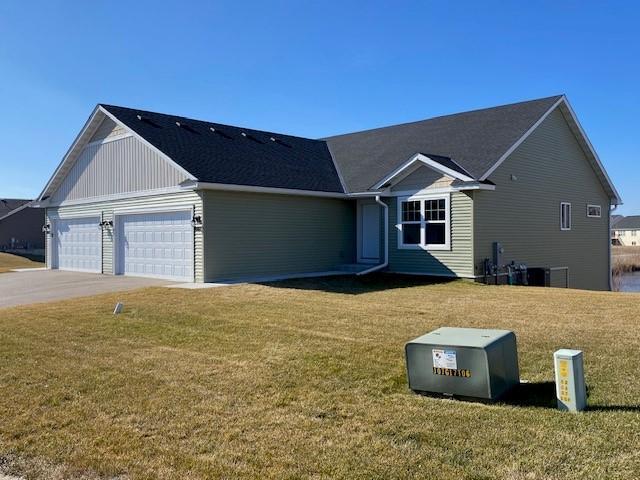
306,379
9,261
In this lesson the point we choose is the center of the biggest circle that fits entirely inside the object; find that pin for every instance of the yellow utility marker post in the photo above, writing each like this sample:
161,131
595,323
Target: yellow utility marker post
571,390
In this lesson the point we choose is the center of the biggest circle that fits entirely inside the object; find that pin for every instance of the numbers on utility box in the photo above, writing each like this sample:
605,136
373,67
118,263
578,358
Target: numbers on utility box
450,372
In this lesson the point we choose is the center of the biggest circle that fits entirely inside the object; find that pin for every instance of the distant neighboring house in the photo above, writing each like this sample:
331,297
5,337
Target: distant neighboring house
626,231
150,194
20,225
615,219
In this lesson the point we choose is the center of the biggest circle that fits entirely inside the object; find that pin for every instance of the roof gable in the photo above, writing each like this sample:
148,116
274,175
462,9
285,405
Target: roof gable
474,140
442,165
86,136
117,164
223,154
477,141
469,146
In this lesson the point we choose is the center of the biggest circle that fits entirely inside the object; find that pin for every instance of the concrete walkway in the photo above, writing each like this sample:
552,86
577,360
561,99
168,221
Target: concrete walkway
37,286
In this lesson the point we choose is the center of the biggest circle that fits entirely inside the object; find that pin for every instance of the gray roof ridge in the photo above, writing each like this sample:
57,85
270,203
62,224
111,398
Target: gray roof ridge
412,122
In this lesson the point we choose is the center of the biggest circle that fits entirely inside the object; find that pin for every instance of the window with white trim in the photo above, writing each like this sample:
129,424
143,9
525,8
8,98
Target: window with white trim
424,222
565,216
594,211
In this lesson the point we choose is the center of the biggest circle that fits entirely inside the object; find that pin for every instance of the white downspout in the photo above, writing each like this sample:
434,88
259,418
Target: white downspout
385,209
611,210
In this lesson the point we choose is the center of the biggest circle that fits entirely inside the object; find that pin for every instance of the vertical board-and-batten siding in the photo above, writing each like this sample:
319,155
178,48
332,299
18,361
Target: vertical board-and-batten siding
105,210
458,261
261,235
115,167
523,213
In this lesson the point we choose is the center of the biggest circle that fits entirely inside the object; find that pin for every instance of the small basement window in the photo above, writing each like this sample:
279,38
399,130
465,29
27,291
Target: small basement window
565,216
594,211
424,222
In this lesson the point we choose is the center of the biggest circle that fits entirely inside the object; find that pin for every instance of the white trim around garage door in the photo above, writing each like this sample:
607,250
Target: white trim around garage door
118,269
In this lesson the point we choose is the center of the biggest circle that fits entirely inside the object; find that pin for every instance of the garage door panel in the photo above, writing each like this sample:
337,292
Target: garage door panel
157,245
78,244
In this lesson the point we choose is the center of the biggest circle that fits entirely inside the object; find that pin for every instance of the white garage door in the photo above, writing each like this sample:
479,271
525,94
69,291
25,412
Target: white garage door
156,245
78,244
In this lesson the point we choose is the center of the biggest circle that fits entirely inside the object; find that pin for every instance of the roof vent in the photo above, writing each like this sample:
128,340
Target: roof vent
186,127
148,121
219,132
279,142
250,137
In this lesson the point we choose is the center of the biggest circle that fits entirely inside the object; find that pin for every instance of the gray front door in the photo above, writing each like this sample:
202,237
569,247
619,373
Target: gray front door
370,237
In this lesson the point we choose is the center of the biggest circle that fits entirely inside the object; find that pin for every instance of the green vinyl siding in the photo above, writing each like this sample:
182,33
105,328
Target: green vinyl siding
105,211
458,261
523,213
252,235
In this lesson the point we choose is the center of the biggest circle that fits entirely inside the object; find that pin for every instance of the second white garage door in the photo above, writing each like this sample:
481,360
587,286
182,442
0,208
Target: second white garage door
156,245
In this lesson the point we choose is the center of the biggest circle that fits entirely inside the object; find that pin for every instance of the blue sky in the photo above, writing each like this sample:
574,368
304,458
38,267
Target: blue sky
312,69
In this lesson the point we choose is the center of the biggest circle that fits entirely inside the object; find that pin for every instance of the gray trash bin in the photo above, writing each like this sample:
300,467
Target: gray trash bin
465,362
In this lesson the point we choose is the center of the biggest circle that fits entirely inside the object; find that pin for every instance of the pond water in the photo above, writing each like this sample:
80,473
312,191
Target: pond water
630,282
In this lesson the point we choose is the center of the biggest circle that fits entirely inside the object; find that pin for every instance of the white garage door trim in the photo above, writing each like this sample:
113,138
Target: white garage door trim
120,254
83,262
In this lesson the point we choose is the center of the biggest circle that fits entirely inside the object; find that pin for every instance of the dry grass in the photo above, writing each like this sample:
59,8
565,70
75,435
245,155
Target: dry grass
624,260
9,261
307,379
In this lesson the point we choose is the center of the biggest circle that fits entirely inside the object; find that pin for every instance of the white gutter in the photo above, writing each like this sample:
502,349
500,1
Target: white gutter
191,185
385,209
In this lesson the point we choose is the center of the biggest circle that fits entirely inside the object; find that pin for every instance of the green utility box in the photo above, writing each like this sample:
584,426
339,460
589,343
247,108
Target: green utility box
464,362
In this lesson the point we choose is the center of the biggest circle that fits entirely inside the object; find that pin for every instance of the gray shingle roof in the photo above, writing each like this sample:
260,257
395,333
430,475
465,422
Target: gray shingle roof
475,140
469,142
8,205
229,157
628,223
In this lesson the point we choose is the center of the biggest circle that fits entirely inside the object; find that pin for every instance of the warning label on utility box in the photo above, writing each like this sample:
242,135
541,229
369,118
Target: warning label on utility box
444,359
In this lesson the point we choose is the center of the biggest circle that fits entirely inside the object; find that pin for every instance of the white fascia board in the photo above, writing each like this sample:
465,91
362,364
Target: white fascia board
449,189
368,194
253,189
445,170
142,139
189,185
71,149
520,140
311,193
617,200
561,101
417,159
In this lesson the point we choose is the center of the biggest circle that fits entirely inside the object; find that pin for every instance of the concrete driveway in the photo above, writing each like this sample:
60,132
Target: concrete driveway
22,288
